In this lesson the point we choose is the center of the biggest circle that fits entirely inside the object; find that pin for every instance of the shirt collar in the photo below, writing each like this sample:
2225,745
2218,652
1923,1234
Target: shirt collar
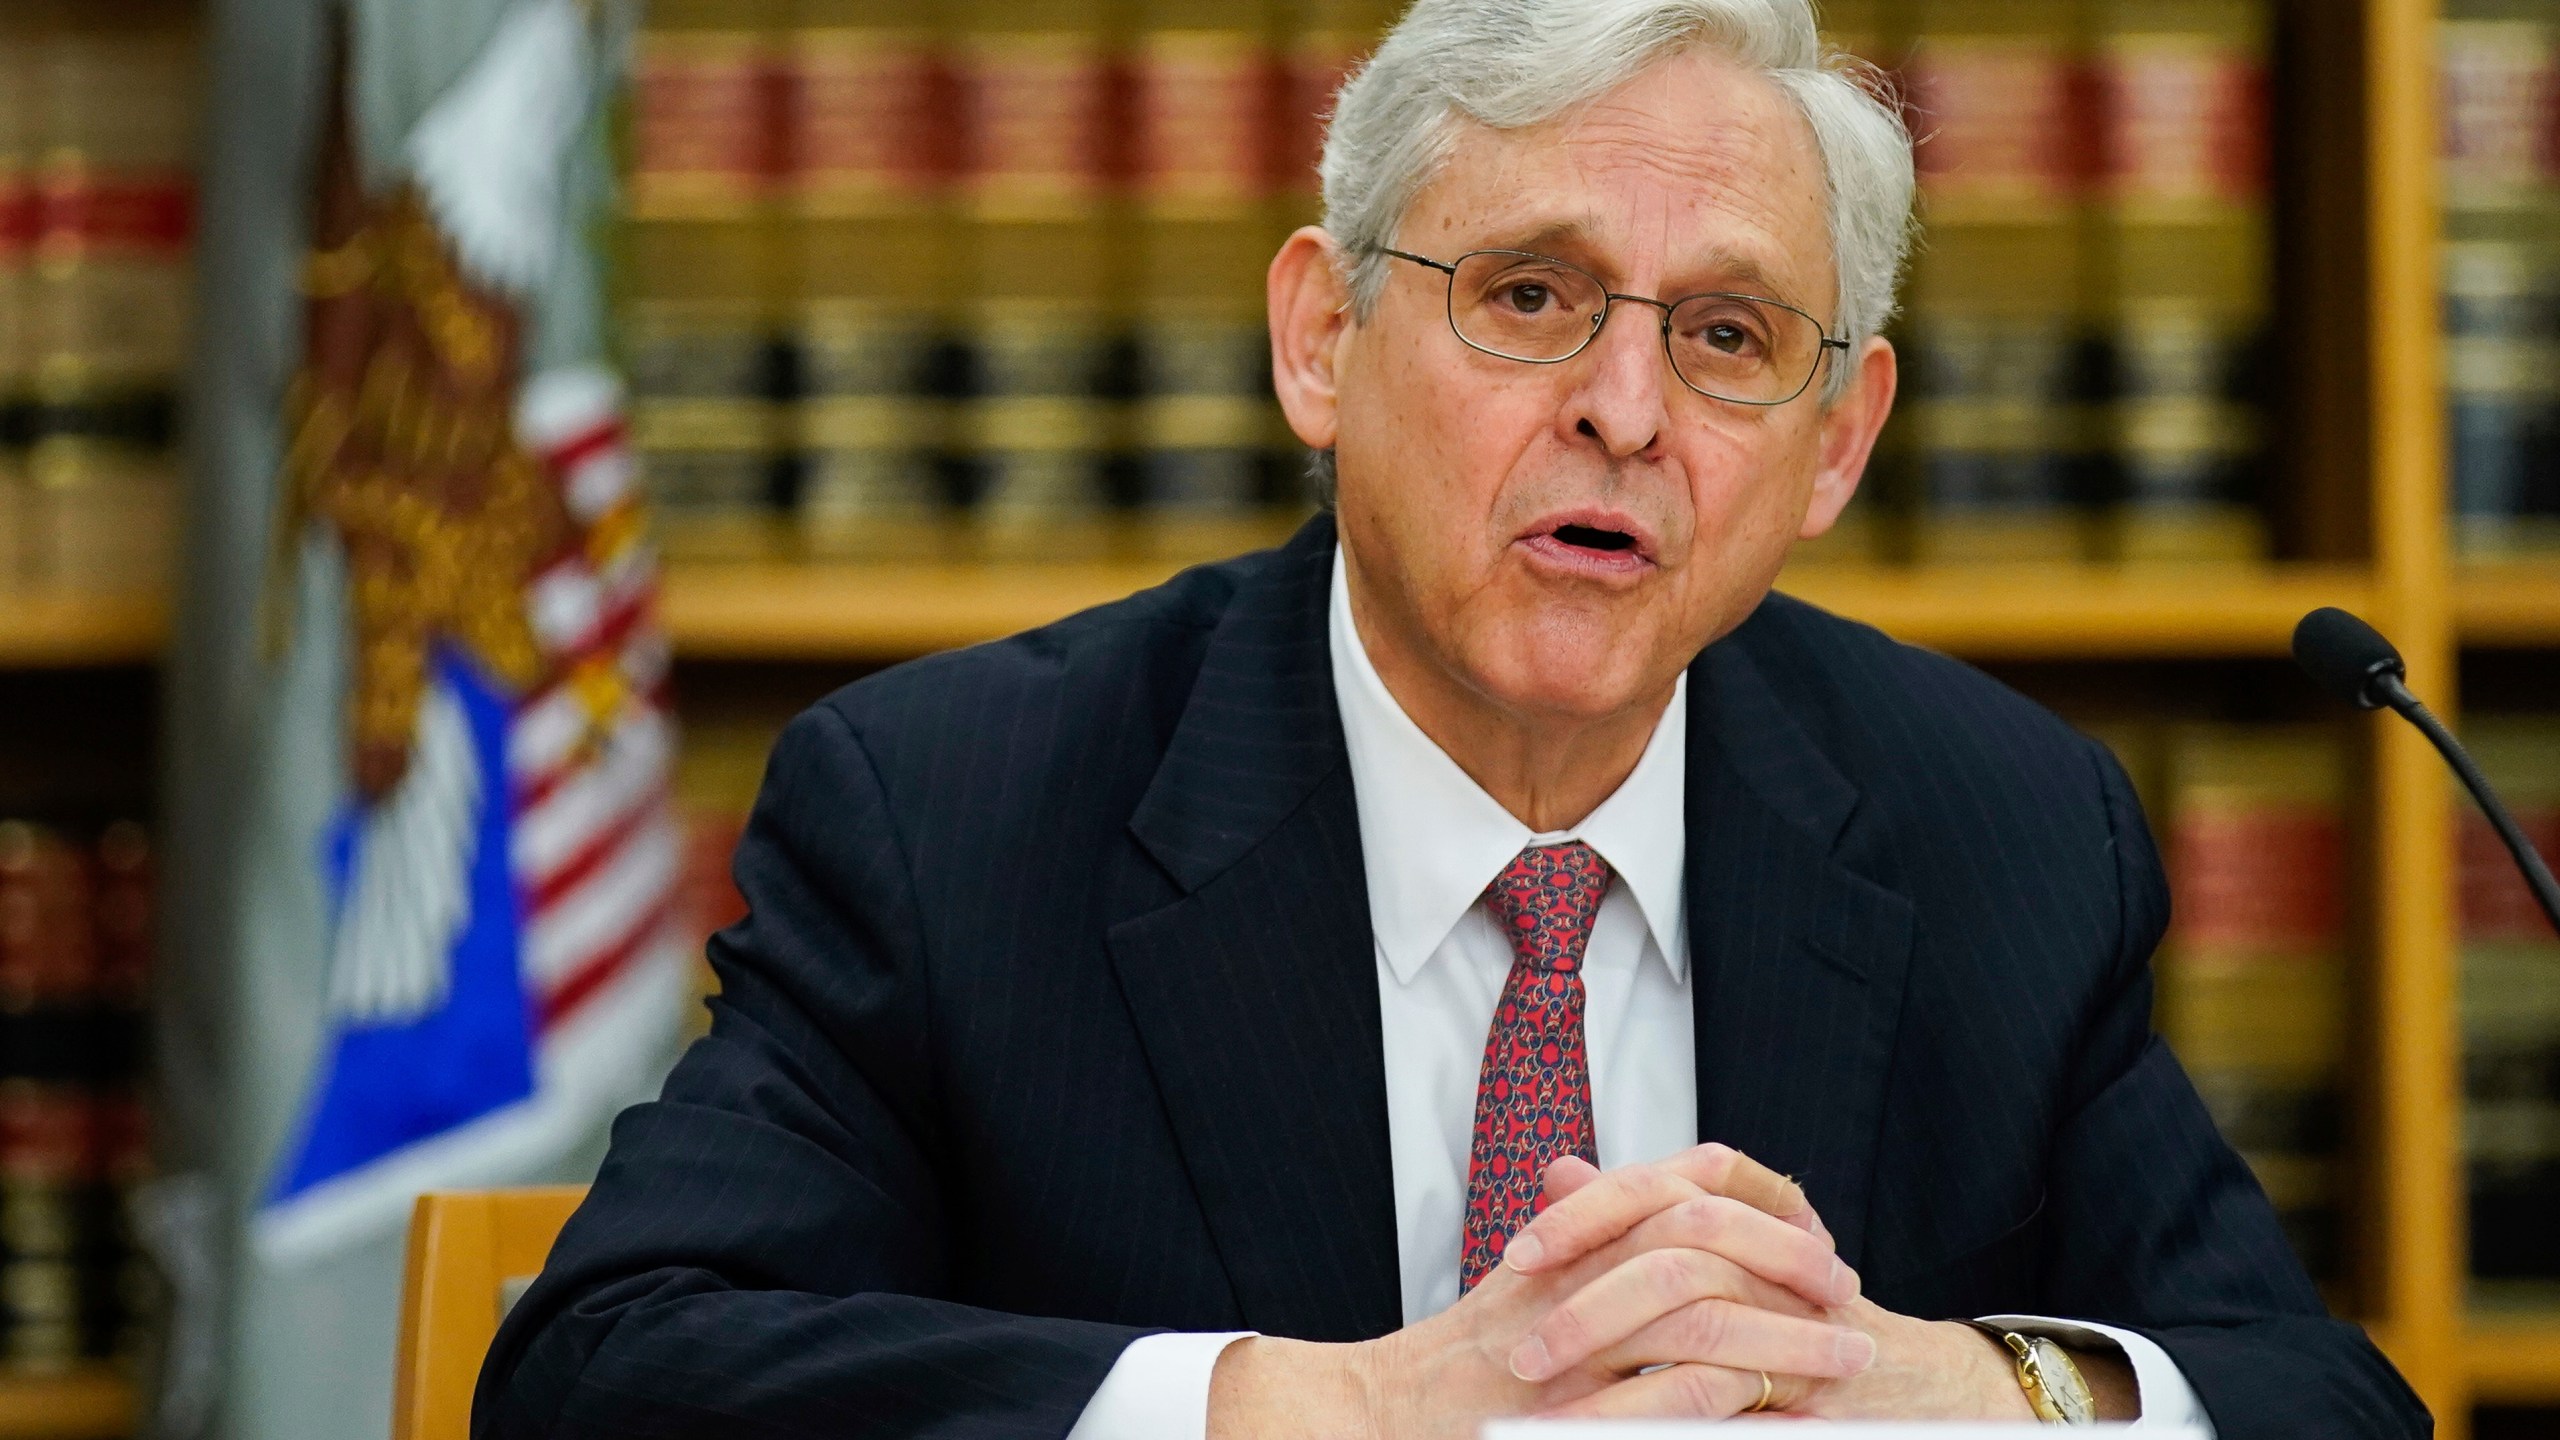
1431,839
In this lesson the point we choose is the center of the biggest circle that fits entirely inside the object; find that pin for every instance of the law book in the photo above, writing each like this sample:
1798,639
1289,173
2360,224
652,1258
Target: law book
870,146
101,293
1996,364
1041,312
708,84
18,146
870,429
1871,32
707,354
2500,86
48,1230
2178,97
706,341
122,1299
1205,88
45,1143
864,108
121,1295
2252,987
2511,1014
1327,41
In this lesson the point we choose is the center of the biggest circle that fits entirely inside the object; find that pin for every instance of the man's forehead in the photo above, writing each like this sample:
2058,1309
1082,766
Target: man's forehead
1695,162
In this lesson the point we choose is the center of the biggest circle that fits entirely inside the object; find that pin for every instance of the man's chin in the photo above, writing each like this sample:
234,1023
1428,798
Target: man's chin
1572,673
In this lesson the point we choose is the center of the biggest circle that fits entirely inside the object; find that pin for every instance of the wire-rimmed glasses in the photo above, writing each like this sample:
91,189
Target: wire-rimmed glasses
1520,305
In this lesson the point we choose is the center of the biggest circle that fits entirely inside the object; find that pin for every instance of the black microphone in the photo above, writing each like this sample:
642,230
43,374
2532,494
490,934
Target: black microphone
2352,661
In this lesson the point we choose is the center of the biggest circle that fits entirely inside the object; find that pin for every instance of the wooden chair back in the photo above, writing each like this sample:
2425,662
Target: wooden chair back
471,1253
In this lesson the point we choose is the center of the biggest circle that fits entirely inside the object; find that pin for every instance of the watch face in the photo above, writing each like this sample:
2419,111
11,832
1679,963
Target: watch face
2062,1383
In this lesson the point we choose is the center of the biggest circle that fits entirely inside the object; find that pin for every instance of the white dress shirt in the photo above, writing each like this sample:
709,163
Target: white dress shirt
1431,840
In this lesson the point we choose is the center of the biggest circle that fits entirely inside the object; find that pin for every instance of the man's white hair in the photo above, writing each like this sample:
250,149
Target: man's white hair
1508,64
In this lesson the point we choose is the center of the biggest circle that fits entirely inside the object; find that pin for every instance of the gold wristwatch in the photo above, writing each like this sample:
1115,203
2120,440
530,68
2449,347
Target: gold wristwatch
2054,1388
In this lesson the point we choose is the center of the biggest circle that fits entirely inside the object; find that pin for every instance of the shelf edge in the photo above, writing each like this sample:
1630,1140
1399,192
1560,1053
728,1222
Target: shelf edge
88,1404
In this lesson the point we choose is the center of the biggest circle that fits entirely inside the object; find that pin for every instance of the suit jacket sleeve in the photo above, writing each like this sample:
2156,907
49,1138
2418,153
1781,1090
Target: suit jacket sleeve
2159,1227
763,1249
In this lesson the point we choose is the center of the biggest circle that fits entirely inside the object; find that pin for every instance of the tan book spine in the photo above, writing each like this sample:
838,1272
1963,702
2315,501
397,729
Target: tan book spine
1996,432
2252,976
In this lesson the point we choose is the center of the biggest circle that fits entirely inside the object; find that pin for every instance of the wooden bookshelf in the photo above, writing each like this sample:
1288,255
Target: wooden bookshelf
2381,492
2086,611
2513,1361
2513,603
87,1404
49,630
878,611
886,611
789,611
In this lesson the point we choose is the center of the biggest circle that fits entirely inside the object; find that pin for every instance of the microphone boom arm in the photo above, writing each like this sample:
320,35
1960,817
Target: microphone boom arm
2537,876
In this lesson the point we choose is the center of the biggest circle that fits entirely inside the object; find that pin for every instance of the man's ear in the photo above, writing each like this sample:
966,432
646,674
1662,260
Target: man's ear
1849,427
1309,313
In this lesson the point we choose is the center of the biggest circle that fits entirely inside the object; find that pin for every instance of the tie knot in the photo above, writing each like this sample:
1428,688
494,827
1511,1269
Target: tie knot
1544,900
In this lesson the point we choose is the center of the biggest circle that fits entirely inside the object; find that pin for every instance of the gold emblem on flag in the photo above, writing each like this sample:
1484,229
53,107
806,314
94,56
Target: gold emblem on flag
403,443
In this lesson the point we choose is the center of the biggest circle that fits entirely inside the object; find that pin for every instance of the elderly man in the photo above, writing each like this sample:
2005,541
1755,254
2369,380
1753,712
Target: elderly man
1170,1022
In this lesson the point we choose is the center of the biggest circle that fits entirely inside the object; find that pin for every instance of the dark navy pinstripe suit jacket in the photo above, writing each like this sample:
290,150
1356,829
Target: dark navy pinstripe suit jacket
1055,1022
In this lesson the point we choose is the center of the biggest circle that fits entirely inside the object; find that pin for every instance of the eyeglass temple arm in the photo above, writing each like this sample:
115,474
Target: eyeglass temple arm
1442,266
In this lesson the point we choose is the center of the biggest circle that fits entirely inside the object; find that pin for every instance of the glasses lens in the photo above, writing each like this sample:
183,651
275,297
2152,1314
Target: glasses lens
1738,348
1527,307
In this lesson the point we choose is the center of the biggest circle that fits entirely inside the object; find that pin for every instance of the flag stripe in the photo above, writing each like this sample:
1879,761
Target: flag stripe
575,450
590,857
545,747
588,918
604,967
592,795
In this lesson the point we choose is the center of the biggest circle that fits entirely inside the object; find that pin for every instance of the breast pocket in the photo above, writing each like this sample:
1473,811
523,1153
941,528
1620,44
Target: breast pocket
2002,1274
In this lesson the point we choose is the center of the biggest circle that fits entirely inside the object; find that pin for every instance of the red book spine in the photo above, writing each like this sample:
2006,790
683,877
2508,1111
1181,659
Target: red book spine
866,119
1202,117
705,121
48,1146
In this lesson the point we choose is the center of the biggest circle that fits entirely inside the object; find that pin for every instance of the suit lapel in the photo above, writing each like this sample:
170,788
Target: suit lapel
1255,993
1798,963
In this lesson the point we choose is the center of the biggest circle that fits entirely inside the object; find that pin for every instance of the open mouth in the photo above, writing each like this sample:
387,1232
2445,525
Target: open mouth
1593,544
1592,537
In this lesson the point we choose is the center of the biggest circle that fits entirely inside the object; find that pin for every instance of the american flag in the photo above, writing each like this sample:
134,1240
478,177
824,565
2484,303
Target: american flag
504,969
597,848
480,1024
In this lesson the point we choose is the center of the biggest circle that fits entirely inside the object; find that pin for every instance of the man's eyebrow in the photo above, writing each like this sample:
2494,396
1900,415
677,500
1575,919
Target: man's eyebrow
1554,232
1739,271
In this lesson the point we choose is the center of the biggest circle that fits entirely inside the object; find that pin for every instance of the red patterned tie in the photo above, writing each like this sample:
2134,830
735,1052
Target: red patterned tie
1533,1099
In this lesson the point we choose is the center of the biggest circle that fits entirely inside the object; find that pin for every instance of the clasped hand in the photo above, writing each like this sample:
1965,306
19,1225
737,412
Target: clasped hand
1665,1290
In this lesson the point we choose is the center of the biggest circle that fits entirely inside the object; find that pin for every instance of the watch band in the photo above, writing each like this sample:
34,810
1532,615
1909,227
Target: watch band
2048,1375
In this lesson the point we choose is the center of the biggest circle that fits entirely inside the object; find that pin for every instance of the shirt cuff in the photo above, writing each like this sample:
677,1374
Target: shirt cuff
2162,1396
1157,1390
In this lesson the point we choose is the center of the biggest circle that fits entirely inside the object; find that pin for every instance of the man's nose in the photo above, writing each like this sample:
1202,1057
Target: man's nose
1617,397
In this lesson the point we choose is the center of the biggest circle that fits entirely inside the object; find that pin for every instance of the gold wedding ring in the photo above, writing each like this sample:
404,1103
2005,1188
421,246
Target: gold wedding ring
1768,1388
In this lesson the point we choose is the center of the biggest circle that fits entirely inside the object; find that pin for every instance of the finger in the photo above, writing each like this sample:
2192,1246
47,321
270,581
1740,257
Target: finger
1739,1337
1594,1215
1764,1245
1568,1175
1687,1392
1719,1169
1630,1297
